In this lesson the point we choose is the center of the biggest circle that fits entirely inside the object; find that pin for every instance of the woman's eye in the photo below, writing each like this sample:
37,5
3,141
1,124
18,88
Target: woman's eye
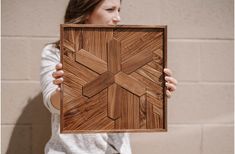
111,9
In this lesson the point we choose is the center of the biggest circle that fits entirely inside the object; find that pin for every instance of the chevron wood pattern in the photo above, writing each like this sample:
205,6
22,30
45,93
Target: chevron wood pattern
114,79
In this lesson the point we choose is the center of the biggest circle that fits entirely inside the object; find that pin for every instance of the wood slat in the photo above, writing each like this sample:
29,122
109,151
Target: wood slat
130,111
114,101
72,91
136,61
158,55
150,117
80,71
68,53
104,124
71,107
136,112
155,65
85,109
149,42
72,80
101,82
118,123
129,83
95,40
114,56
129,36
142,114
154,112
69,45
124,106
153,98
151,74
69,34
149,84
89,60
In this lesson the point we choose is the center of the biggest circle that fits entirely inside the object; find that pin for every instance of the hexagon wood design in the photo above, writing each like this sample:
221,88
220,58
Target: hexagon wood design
114,80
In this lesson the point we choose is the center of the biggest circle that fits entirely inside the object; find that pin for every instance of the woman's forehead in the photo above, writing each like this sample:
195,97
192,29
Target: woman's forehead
108,3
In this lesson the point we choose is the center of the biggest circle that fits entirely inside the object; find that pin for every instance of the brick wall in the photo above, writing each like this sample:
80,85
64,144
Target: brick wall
200,53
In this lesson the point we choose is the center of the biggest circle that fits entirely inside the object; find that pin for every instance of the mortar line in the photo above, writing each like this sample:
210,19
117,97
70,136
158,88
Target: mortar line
15,124
20,81
22,36
206,124
181,39
201,143
206,82
201,39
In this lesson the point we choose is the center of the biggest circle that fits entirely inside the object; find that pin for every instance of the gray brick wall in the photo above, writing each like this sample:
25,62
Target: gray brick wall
200,53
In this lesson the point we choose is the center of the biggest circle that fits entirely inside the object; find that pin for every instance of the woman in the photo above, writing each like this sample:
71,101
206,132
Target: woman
82,12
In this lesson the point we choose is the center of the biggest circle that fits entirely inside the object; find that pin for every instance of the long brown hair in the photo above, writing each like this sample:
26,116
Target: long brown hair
77,11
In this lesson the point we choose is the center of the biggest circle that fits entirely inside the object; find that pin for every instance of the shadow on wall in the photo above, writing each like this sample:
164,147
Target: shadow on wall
33,130
37,118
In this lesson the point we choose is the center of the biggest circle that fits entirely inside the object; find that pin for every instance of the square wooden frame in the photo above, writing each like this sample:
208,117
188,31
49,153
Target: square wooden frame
73,114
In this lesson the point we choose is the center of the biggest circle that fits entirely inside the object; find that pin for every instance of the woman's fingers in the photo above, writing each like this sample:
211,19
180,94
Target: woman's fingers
58,74
171,87
168,93
58,81
168,71
58,66
171,80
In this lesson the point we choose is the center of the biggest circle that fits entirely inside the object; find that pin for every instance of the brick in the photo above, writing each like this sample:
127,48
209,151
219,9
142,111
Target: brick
25,103
15,64
179,139
198,19
218,139
32,18
217,19
201,103
217,61
35,50
16,139
182,17
184,60
137,12
23,52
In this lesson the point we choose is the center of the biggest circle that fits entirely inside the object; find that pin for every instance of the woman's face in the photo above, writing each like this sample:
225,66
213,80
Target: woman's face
107,12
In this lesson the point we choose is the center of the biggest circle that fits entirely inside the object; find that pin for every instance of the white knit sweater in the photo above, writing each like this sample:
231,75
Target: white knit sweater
95,143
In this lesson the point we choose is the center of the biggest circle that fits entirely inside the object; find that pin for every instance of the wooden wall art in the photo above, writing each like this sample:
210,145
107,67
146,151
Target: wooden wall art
114,80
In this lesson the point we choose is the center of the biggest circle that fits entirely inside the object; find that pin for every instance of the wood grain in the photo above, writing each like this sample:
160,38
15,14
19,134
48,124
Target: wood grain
129,83
114,101
100,83
136,61
91,61
114,80
114,56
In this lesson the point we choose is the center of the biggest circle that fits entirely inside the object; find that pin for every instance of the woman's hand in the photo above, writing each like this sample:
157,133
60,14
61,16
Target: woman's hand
170,82
58,79
58,75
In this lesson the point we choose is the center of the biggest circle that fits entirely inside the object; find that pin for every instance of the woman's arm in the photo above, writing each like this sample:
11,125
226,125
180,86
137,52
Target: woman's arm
49,58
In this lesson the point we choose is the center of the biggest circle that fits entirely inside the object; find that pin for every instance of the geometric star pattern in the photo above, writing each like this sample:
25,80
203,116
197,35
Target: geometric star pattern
113,79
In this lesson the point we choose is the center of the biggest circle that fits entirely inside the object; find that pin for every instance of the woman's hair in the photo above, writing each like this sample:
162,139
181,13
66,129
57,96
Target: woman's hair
77,11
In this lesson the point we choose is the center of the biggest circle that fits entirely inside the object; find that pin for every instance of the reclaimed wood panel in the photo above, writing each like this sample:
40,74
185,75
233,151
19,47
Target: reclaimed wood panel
114,80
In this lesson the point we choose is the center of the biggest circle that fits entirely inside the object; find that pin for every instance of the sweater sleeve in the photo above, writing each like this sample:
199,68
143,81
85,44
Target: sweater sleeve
50,57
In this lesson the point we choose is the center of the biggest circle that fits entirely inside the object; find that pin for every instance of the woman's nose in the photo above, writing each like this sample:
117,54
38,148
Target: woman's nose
117,18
